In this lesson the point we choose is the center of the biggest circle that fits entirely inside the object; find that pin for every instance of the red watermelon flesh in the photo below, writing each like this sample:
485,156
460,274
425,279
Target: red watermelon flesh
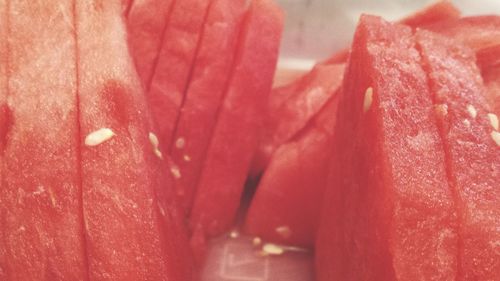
146,24
40,207
442,10
175,60
397,217
206,87
285,207
482,34
4,110
4,122
235,139
129,234
292,107
472,155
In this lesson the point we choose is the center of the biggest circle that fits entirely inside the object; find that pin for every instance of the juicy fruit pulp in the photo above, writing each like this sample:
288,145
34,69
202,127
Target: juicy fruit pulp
226,166
128,228
296,175
146,22
198,113
389,212
457,87
78,163
172,71
41,235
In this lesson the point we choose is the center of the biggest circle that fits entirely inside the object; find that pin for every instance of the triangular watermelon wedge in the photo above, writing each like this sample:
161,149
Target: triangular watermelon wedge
292,107
131,233
389,213
296,176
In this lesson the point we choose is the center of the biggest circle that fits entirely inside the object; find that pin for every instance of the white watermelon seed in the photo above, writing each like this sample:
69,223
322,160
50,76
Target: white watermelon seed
496,137
472,111
155,143
466,122
99,136
154,139
272,249
256,241
442,109
367,103
493,120
175,172
187,158
284,231
180,142
234,234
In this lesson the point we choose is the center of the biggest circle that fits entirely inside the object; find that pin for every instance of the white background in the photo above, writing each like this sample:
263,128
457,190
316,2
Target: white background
317,28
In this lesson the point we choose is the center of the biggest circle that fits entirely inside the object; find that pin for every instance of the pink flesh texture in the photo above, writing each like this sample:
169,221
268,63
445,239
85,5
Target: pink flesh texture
204,94
291,188
175,62
482,34
491,78
235,135
472,156
389,213
128,228
146,23
4,122
40,199
287,116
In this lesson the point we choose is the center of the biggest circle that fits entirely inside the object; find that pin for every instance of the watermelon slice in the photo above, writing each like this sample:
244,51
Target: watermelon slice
291,107
471,142
174,65
41,235
206,87
130,233
389,213
296,176
147,21
235,135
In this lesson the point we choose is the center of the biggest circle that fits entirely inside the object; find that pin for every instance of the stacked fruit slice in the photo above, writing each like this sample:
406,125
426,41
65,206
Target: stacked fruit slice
208,87
414,191
83,193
